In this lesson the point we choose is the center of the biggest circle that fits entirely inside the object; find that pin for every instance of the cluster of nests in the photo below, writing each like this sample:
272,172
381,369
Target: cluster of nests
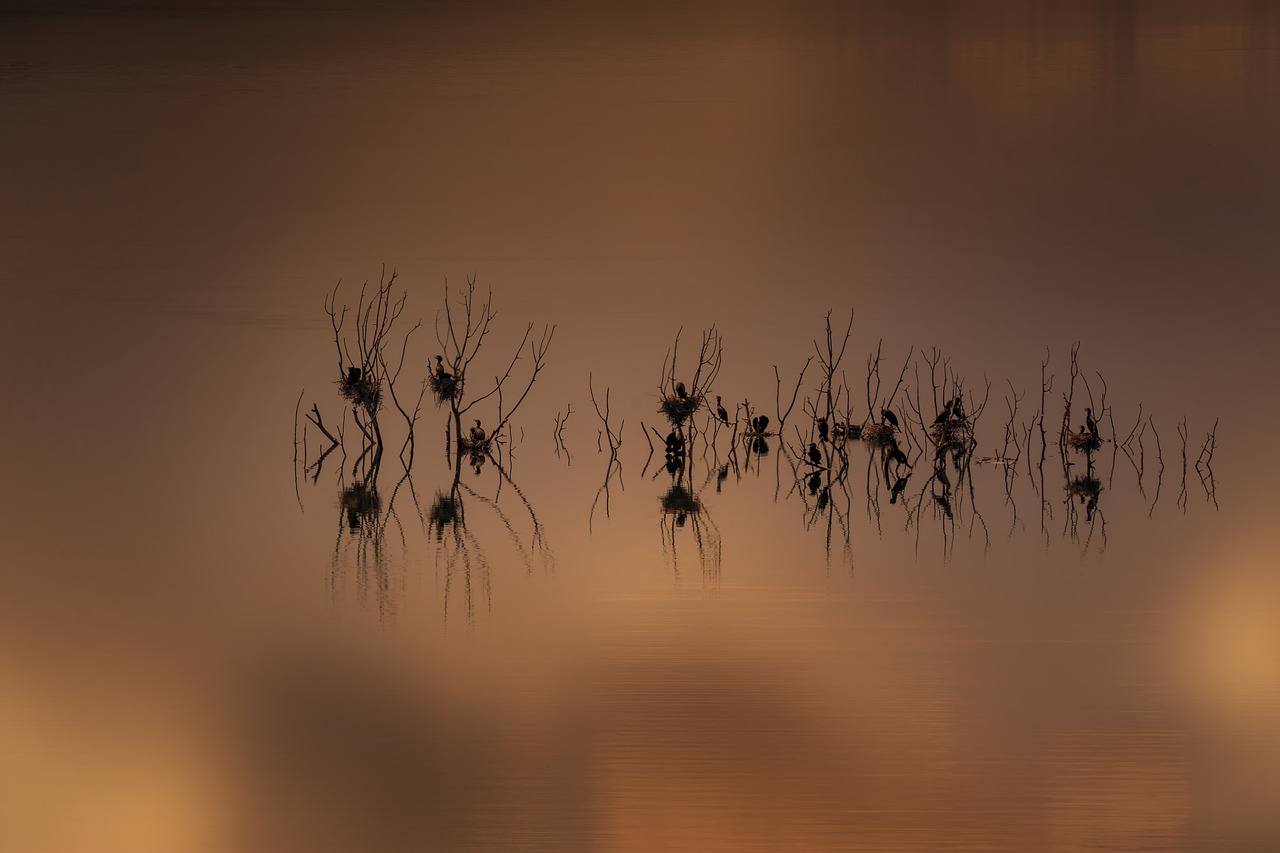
361,389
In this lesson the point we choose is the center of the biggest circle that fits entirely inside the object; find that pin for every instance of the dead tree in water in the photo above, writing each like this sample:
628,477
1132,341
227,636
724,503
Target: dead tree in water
364,374
461,329
680,402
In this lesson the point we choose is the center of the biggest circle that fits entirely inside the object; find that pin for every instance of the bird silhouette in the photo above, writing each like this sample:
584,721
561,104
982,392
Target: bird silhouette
822,429
720,412
815,455
896,491
896,455
945,414
957,408
823,497
1090,422
815,481
889,417
477,433
764,423
681,391
675,444
353,375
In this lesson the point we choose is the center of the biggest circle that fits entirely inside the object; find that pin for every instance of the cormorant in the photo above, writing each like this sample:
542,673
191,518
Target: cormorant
945,414
957,408
353,375
822,429
815,456
764,423
755,424
681,391
720,412
889,417
477,432
1090,422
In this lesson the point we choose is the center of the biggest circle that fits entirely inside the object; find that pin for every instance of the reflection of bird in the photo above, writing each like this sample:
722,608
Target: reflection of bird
681,391
675,444
815,481
822,429
720,412
477,432
896,491
823,497
941,473
896,455
353,375
815,456
889,417
1090,422
722,476
944,414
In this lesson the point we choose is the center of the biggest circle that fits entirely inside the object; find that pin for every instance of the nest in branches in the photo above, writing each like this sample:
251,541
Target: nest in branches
678,499
1086,441
877,434
677,409
952,433
360,503
476,447
362,392
444,386
1085,487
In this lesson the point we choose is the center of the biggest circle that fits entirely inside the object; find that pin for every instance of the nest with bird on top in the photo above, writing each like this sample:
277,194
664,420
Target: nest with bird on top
361,390
1084,440
677,409
877,434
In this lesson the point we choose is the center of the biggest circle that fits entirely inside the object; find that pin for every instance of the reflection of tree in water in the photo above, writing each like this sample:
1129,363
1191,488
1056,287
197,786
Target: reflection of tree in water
684,513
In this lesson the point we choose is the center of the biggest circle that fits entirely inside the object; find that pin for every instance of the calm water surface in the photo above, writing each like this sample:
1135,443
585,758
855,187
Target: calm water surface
199,653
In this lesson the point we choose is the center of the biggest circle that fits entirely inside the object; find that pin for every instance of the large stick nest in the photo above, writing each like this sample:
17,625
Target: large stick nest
881,435
952,433
677,409
1086,441
364,392
444,386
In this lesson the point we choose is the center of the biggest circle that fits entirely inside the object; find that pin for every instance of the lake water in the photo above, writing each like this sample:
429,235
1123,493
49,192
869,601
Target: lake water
208,642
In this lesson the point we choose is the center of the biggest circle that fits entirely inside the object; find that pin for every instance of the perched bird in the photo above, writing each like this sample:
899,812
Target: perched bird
477,433
945,414
681,391
957,408
755,424
720,412
822,429
1090,422
353,375
441,373
815,455
764,423
889,417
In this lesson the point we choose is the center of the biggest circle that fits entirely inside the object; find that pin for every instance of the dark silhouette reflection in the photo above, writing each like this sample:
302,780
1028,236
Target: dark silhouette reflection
683,514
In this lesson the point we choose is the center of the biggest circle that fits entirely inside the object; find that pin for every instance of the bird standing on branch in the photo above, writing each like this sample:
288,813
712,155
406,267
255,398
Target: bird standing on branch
720,412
